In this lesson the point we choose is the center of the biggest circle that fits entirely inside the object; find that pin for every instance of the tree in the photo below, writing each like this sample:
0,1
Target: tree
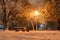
52,9
6,10
19,14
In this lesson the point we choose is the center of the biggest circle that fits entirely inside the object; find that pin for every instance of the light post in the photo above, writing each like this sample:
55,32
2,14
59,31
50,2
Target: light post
35,15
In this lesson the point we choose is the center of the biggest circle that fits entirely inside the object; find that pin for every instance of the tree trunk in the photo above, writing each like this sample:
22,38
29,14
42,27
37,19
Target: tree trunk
59,24
5,15
32,25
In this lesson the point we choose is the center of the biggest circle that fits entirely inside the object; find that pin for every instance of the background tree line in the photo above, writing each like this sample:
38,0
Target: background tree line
17,12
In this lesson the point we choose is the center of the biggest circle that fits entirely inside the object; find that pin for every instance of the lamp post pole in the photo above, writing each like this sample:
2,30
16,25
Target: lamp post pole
36,13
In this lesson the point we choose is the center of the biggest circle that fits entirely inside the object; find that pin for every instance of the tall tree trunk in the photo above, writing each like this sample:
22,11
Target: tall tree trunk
36,26
32,25
59,24
5,16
